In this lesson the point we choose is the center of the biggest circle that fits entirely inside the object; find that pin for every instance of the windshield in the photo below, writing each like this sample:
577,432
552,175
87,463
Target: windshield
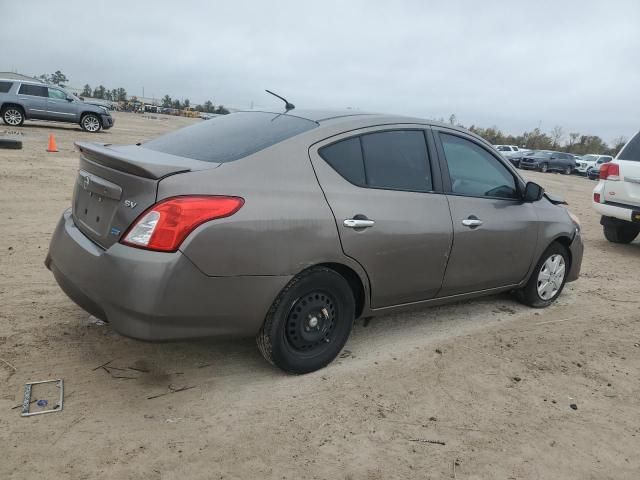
502,148
589,158
230,137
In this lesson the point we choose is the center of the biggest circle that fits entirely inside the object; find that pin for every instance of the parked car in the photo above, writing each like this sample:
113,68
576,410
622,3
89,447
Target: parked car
547,160
585,162
617,195
22,100
511,153
288,226
593,172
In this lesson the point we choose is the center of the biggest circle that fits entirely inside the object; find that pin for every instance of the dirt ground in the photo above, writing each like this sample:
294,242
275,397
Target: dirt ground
492,380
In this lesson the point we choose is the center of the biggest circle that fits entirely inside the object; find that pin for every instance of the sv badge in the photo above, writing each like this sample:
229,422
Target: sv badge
130,204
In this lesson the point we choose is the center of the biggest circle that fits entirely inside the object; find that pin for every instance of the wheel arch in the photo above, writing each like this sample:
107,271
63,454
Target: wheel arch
13,104
354,280
87,112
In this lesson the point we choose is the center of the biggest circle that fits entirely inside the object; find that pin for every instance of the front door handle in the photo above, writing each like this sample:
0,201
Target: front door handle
472,222
358,223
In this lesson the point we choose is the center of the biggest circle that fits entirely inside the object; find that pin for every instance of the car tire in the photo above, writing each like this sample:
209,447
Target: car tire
10,143
90,123
567,171
544,167
538,294
12,116
309,322
620,233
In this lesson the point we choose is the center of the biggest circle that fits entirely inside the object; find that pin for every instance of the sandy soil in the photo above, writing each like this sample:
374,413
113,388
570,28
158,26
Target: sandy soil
491,379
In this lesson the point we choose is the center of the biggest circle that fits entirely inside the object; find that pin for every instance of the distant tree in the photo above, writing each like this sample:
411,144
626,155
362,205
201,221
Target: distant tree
122,94
58,78
166,101
86,90
199,108
114,95
221,110
107,95
186,103
99,91
208,106
617,145
573,138
44,77
556,136
176,104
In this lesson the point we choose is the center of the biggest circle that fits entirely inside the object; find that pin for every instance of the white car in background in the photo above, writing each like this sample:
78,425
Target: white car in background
584,163
617,195
511,153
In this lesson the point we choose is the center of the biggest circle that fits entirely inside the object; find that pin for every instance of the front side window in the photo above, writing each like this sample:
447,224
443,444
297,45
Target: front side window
475,172
56,94
33,90
393,160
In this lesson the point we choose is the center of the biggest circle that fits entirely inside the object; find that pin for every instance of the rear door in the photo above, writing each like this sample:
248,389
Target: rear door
59,107
34,100
494,231
392,217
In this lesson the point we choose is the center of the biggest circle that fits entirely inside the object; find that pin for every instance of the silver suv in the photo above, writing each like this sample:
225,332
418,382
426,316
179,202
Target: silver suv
22,100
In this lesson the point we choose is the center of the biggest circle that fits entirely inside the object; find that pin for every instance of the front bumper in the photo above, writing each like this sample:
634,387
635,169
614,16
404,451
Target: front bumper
155,295
107,121
577,251
529,166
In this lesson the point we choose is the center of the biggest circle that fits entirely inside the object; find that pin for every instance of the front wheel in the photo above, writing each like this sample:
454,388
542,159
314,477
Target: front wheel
544,167
91,123
620,233
309,322
548,278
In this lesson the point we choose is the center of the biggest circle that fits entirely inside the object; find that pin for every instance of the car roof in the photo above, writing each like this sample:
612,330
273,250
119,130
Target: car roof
30,82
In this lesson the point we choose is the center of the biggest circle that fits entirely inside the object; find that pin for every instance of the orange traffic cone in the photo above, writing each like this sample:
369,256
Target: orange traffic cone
52,144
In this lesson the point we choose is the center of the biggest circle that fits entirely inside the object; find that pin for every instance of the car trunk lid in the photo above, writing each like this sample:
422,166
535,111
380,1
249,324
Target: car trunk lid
115,184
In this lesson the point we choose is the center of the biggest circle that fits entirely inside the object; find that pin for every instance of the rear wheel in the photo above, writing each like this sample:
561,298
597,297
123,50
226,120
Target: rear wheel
544,167
567,171
620,233
90,123
309,322
548,278
12,115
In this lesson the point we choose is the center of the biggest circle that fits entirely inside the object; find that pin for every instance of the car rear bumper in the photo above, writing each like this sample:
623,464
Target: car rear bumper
620,212
154,295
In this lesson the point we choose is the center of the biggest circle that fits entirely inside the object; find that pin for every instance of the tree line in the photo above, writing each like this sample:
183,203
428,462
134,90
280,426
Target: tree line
573,142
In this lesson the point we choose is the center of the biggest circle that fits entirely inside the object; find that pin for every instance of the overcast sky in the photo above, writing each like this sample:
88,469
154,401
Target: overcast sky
514,64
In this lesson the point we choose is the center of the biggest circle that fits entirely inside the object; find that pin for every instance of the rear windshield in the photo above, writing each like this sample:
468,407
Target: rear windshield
230,137
632,150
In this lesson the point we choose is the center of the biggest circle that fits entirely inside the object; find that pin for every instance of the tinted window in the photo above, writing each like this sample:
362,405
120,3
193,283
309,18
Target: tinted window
632,150
474,171
346,158
57,94
230,137
35,90
5,87
397,159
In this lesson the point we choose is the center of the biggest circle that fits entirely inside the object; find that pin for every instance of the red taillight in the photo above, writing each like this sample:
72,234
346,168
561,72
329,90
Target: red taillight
165,225
610,171
596,197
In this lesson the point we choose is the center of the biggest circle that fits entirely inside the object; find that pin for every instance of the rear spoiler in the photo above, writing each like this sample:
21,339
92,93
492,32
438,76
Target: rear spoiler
139,161
555,199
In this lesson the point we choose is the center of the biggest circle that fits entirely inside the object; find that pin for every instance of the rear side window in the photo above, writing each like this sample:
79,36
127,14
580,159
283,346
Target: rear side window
632,150
397,160
474,171
5,86
230,137
394,160
33,90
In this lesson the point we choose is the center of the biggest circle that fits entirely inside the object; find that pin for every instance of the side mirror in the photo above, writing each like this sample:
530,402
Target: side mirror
532,192
69,99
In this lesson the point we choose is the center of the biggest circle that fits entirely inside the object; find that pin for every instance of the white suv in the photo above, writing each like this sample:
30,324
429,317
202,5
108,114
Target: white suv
617,195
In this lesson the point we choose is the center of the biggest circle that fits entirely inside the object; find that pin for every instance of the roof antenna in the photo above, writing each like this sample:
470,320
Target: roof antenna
287,106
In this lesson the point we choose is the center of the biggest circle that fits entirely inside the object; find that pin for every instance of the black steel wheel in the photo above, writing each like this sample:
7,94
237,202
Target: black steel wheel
309,322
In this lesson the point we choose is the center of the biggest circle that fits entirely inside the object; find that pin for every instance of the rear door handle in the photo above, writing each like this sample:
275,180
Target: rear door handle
472,222
358,223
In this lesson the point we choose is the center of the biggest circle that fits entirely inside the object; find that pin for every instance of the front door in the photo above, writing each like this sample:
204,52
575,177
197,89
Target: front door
34,100
494,231
390,213
60,108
